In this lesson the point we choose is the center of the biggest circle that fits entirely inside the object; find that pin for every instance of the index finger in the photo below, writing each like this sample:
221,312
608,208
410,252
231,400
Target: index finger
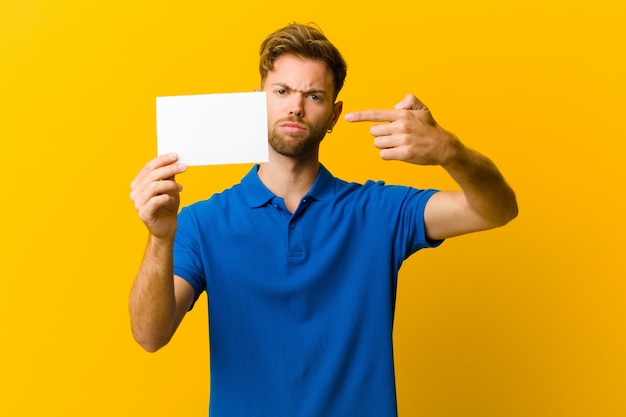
372,116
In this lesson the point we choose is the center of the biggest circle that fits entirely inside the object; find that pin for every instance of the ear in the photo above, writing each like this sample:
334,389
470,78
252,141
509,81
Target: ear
337,108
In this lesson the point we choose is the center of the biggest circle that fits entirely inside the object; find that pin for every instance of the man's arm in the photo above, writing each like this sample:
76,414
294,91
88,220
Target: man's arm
158,299
412,135
486,200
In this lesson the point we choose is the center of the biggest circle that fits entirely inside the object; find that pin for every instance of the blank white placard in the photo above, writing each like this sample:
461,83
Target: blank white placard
211,129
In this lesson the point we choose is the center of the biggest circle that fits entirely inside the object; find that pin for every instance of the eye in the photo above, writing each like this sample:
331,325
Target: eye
281,92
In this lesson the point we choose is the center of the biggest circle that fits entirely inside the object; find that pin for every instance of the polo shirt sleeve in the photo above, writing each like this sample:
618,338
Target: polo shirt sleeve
403,208
187,258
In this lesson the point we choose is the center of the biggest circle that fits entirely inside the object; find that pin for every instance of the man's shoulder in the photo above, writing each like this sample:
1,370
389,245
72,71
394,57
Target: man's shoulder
232,195
343,186
378,190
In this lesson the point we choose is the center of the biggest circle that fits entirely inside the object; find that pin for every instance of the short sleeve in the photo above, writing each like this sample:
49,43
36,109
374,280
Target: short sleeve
187,255
403,208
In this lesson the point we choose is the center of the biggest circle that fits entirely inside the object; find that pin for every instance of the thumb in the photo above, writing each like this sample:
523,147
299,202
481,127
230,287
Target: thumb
410,102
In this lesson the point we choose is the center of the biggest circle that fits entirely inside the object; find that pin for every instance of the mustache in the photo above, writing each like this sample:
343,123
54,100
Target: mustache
292,119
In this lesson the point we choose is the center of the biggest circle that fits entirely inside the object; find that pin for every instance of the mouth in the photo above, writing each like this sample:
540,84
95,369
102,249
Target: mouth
292,127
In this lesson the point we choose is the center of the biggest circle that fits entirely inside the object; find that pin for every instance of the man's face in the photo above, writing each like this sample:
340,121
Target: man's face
299,104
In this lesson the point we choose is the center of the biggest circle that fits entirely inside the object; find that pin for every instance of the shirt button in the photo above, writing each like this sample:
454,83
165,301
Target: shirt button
292,226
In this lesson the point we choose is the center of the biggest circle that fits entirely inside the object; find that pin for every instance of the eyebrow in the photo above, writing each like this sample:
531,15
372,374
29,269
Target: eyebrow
310,91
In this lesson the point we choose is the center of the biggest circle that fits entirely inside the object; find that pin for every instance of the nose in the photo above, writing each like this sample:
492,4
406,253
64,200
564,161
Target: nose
296,104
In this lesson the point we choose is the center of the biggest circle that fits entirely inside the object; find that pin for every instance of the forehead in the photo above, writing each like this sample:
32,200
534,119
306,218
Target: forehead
300,73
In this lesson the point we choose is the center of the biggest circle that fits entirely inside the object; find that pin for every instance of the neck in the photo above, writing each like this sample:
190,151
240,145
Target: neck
289,178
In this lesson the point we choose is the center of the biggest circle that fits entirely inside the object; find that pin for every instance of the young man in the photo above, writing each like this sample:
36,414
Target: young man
300,267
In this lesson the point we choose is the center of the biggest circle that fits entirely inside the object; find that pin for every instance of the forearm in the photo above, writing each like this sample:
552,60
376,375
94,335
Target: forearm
485,190
152,301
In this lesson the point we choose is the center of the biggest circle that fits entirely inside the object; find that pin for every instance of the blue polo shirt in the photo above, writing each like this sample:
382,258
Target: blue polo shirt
301,305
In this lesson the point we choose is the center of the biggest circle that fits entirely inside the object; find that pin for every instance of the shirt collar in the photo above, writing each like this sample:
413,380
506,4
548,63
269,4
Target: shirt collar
258,195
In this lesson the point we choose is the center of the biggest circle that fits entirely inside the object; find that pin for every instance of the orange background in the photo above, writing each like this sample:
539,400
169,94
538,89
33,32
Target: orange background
527,320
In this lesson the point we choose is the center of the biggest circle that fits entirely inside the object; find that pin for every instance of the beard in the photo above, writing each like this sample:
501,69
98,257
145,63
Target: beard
296,145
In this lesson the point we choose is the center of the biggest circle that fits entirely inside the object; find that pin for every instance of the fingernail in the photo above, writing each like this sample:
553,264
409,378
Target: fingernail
348,117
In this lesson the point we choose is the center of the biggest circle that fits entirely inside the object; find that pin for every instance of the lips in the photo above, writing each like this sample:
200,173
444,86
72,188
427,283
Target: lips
292,127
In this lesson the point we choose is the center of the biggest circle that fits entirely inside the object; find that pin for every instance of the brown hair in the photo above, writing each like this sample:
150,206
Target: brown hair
306,41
